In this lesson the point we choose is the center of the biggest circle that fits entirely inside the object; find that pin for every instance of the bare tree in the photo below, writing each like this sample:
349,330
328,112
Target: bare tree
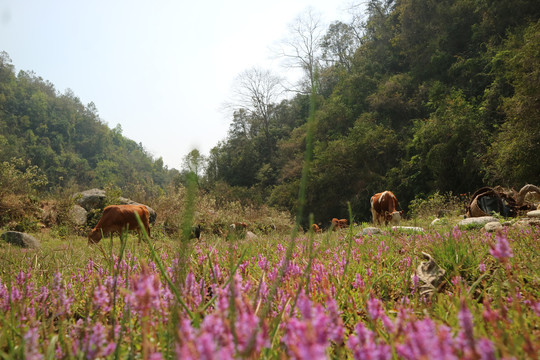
302,49
256,93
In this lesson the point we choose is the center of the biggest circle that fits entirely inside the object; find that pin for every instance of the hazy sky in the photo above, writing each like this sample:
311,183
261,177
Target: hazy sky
162,69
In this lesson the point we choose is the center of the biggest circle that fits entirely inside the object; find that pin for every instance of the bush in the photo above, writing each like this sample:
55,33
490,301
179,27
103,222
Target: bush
19,185
436,205
215,215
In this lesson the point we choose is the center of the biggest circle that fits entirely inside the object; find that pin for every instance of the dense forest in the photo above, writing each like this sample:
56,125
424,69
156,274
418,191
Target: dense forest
412,96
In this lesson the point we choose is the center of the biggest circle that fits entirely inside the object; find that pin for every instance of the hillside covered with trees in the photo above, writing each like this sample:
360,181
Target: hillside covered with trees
66,142
412,96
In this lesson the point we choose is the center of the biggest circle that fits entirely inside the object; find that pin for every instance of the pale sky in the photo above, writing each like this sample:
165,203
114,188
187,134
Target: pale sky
162,69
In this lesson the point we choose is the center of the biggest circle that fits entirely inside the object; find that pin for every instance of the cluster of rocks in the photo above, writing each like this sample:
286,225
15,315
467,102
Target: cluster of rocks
491,224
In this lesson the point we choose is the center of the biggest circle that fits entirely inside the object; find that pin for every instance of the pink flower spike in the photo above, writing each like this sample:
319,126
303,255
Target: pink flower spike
501,250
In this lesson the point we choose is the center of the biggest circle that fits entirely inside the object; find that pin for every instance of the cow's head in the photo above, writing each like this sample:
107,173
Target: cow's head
393,218
94,236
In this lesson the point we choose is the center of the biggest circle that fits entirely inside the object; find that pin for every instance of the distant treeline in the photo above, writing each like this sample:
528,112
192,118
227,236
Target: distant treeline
68,141
417,97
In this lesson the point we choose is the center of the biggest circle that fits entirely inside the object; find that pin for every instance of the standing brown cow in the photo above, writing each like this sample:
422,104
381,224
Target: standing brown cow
384,206
117,218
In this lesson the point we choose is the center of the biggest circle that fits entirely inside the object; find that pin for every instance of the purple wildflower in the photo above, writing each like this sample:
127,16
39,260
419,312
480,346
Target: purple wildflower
155,356
61,301
31,345
97,344
365,347
308,337
374,308
424,340
101,299
359,283
456,280
4,297
482,267
466,323
501,250
484,348
145,292
536,308
369,272
415,282
263,263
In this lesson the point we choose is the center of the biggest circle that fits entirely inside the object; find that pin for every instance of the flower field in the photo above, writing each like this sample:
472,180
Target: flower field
332,295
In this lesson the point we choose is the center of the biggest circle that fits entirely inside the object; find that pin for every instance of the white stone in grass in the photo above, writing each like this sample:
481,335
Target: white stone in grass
250,236
476,221
408,229
370,230
534,214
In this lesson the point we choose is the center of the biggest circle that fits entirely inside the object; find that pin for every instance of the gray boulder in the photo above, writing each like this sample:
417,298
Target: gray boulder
78,215
90,199
493,226
476,221
95,198
21,239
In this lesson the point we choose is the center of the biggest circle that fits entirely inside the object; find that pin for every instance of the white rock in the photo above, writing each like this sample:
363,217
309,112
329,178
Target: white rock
435,222
534,214
371,230
478,221
250,235
408,228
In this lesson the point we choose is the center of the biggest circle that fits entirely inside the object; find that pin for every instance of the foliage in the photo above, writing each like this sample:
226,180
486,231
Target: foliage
418,97
437,205
19,186
66,140
519,138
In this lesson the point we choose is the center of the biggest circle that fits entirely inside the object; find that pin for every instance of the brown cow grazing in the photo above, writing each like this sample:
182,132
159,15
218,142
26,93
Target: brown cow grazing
335,223
238,226
117,218
339,223
343,223
384,206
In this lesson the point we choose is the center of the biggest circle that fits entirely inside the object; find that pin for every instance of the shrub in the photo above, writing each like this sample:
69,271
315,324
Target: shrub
19,185
436,205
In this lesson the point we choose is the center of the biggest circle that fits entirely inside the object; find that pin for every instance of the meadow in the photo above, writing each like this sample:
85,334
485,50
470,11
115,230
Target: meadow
337,295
